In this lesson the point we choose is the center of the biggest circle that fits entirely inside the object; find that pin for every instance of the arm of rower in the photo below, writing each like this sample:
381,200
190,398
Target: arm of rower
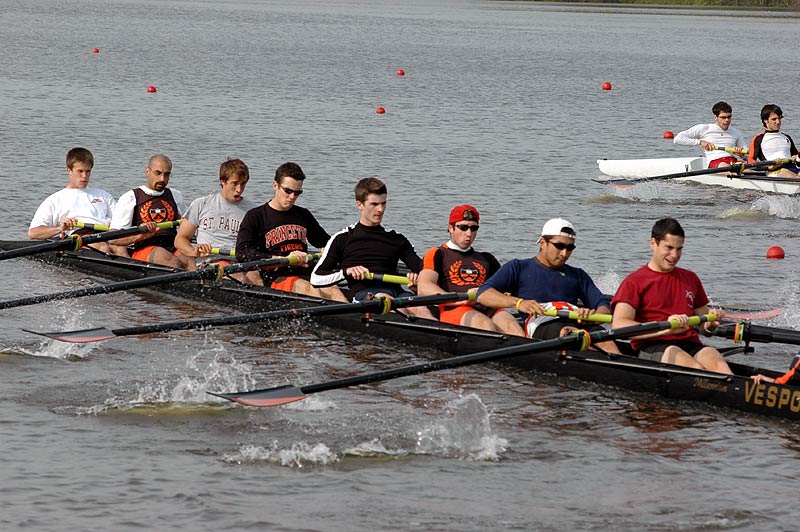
183,239
624,315
428,283
43,232
128,240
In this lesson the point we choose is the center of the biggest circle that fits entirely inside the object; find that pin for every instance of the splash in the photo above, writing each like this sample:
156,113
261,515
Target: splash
312,404
787,207
66,317
374,448
298,455
464,432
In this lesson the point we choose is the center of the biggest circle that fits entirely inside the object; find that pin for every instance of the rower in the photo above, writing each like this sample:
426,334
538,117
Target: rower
366,248
716,136
150,204
279,228
546,281
215,218
659,291
456,266
77,202
771,144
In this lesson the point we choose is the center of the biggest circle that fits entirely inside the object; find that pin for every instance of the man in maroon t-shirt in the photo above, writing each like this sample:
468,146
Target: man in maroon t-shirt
661,291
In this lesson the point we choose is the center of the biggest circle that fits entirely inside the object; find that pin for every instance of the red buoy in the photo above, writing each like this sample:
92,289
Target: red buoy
95,50
775,252
607,86
380,110
401,72
151,88
669,135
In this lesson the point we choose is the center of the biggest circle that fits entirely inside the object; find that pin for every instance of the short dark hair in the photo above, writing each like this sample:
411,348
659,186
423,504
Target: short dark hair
664,227
720,107
768,110
367,186
233,168
292,170
79,155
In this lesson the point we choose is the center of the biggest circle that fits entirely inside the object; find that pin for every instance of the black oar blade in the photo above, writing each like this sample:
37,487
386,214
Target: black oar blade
78,337
270,397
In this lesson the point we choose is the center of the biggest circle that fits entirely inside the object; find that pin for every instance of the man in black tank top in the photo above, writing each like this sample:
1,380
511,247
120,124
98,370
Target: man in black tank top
367,247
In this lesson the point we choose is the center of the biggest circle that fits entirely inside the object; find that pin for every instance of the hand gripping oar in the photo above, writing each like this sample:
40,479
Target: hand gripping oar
581,340
735,168
747,332
213,272
378,305
76,242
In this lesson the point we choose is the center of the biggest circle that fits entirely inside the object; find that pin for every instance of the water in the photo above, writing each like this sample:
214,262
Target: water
501,107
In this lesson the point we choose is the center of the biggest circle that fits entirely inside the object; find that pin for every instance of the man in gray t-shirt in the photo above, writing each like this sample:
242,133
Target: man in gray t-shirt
215,218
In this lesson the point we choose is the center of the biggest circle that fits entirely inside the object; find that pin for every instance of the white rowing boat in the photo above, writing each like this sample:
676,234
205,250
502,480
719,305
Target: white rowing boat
627,172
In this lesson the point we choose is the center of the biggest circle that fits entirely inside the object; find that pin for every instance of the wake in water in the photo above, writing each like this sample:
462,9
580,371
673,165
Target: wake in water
463,431
780,206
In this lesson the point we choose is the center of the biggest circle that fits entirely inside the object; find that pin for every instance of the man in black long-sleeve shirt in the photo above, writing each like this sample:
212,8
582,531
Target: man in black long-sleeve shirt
367,247
279,228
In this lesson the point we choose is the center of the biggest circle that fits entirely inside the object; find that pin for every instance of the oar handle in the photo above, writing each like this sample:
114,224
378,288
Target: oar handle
572,315
224,252
387,278
734,149
91,227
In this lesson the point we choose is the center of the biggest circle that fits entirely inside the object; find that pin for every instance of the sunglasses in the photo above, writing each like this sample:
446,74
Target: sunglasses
562,246
467,227
291,191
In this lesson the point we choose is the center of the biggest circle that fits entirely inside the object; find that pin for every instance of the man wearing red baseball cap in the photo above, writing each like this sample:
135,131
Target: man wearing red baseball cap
456,266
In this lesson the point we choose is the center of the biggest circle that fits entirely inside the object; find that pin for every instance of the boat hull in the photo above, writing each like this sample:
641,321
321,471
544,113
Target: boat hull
738,391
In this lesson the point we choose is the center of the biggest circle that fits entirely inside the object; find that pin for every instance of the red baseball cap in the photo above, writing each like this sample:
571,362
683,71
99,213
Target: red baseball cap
464,212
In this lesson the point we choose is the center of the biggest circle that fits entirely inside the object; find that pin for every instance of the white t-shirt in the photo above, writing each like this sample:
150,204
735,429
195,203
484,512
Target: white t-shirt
217,219
730,138
776,145
123,212
88,205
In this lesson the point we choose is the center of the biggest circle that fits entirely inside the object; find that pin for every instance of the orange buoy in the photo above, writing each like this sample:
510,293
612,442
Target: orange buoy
380,110
151,88
401,72
669,135
775,252
95,50
607,86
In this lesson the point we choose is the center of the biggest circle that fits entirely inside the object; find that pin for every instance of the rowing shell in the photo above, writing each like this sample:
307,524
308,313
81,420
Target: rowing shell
640,168
737,391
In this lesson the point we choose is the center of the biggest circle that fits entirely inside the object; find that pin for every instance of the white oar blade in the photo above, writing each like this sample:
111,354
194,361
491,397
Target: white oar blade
270,397
78,337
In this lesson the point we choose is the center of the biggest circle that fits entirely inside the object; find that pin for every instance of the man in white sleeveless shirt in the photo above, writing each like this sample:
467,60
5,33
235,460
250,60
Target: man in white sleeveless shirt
713,137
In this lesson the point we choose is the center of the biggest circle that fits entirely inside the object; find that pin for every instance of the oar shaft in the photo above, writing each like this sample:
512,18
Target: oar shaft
224,252
572,315
387,278
91,227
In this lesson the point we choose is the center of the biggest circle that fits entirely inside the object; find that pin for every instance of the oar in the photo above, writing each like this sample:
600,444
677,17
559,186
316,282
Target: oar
581,341
224,252
213,272
91,227
387,278
572,315
76,242
733,150
734,168
379,305
747,332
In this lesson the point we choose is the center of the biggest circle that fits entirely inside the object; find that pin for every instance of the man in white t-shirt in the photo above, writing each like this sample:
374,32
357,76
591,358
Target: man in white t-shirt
150,204
215,218
76,203
714,137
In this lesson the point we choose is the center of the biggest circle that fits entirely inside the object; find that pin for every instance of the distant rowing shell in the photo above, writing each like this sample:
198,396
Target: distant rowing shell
641,168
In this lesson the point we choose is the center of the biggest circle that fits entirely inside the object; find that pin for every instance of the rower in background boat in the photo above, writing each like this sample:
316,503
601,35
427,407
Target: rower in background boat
150,204
456,266
660,290
715,136
365,248
547,282
279,228
76,202
215,218
771,144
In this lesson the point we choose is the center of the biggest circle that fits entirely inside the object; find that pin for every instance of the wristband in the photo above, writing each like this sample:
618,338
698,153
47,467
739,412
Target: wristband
519,302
